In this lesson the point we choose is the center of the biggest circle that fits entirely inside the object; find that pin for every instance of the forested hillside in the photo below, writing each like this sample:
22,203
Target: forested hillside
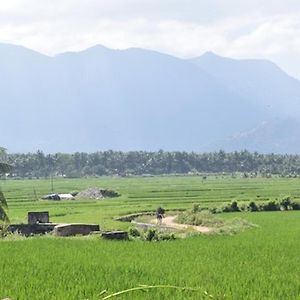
140,162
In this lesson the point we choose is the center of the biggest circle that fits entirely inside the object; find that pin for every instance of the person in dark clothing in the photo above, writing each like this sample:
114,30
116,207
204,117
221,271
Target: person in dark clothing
159,215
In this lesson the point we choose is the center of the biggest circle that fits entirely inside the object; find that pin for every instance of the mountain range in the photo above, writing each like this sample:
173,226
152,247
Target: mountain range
137,99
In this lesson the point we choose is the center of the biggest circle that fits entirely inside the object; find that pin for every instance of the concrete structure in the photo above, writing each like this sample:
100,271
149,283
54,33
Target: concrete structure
38,223
115,235
31,229
75,229
38,217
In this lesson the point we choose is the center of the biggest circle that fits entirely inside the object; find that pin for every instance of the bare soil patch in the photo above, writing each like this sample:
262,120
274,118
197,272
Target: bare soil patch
170,222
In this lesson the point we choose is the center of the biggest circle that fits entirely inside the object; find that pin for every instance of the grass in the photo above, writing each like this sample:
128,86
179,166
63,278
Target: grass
217,223
259,263
140,194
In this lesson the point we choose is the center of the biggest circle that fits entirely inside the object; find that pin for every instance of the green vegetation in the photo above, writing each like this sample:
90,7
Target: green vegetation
216,223
201,218
151,234
260,263
141,194
3,204
285,204
3,207
37,165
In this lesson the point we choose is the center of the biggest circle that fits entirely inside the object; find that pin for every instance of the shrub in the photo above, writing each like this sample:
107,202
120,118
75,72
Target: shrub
215,210
286,203
166,236
226,209
271,206
134,232
196,208
233,207
243,207
295,206
3,230
151,235
252,206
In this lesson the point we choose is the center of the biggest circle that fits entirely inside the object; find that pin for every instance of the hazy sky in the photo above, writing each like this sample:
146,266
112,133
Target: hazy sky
185,28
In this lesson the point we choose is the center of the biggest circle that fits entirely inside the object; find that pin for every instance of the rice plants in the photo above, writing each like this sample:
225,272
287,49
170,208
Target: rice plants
260,263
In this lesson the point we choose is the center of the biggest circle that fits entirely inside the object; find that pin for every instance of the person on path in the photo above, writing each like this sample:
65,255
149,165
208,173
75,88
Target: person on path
160,215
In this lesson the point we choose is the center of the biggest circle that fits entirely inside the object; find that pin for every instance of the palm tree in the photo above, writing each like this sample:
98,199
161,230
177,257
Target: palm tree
4,168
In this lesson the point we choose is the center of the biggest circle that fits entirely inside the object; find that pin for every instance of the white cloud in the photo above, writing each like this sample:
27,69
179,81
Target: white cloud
186,28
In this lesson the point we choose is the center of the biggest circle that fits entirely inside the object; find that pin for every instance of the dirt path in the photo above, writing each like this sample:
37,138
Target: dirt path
170,221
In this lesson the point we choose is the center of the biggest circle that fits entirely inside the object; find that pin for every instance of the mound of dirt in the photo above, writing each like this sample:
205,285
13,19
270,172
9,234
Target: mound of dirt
96,193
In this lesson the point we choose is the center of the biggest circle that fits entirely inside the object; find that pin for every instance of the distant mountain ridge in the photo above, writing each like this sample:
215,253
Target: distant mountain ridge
261,81
274,136
137,99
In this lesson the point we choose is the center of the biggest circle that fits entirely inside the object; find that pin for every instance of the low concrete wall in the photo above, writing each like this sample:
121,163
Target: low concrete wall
30,229
75,229
129,218
146,226
115,235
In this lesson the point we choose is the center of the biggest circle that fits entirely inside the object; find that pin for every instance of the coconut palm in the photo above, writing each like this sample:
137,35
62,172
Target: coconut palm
4,168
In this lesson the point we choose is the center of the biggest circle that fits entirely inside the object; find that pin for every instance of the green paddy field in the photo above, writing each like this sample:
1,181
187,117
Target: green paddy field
260,263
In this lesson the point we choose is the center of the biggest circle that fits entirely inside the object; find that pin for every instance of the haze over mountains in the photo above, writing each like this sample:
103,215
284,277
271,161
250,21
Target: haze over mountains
137,99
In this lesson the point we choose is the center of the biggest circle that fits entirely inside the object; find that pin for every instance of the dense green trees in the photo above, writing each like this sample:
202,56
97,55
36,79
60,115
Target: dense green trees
142,162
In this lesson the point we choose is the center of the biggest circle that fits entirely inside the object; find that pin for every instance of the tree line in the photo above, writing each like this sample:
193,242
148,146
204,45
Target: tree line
160,162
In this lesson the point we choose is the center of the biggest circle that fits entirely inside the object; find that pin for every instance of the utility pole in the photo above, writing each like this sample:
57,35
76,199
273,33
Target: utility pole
52,187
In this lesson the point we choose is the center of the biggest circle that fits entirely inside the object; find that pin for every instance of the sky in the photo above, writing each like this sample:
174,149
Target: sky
267,29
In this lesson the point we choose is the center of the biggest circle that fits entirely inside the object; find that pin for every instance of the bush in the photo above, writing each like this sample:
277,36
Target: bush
271,206
286,203
252,206
196,208
243,207
215,210
233,207
295,206
3,230
226,209
134,232
166,236
151,235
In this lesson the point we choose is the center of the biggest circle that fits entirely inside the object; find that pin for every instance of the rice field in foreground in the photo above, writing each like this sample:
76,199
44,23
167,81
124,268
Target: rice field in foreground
260,263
